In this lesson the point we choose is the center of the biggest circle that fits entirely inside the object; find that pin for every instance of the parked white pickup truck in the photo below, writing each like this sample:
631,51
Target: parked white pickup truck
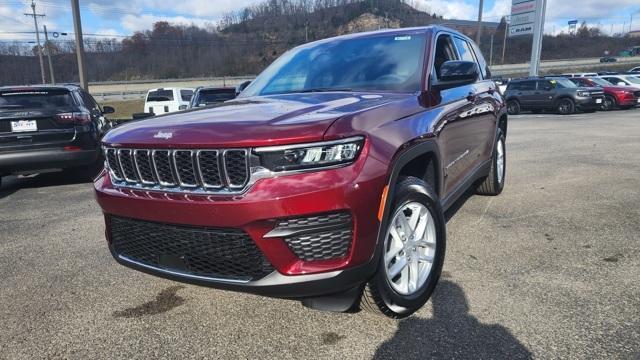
167,100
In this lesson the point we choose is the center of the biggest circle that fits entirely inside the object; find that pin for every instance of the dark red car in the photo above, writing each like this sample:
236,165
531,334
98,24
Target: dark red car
615,96
326,180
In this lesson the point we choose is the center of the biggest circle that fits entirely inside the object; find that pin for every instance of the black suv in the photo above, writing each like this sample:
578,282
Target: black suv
551,94
49,127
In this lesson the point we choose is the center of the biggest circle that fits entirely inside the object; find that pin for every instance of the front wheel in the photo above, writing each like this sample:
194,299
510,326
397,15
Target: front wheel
566,107
412,253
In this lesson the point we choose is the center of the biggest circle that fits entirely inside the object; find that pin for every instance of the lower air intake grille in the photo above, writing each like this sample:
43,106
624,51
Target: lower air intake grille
321,246
318,237
228,254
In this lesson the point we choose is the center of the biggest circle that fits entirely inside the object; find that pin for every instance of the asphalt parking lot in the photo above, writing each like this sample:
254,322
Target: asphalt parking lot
549,269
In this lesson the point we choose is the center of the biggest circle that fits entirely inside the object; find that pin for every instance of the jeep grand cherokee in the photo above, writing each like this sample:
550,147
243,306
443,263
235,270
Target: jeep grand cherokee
324,181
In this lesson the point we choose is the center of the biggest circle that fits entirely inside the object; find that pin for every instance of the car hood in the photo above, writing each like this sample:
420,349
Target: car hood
620,88
248,122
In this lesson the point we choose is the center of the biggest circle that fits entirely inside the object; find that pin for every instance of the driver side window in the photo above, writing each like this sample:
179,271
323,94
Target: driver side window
445,51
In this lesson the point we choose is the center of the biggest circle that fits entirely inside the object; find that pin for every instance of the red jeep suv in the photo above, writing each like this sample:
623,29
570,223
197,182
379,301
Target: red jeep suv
324,181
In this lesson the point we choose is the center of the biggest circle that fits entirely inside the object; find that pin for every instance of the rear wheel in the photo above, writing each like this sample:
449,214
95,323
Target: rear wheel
412,254
513,107
494,182
609,103
566,106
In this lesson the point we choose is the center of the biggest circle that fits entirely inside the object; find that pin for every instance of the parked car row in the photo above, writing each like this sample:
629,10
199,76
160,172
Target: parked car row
568,93
170,100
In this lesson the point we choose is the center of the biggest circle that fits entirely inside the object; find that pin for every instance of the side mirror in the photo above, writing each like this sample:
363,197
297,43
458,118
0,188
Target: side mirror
108,109
456,73
240,88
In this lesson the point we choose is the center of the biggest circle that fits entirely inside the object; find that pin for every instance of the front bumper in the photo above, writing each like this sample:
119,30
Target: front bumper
355,189
45,159
589,103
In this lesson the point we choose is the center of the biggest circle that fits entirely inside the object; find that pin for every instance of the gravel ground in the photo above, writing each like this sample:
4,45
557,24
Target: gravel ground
549,269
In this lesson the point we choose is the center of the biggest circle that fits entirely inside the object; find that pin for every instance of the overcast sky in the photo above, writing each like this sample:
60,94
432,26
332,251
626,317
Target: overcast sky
123,17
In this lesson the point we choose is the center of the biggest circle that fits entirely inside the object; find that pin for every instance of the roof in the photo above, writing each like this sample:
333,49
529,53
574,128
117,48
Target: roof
41,87
399,31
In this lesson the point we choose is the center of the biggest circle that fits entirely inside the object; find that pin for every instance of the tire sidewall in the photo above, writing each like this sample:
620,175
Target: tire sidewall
572,108
412,302
494,173
516,105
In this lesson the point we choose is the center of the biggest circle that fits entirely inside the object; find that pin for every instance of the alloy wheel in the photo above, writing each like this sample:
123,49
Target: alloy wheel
410,248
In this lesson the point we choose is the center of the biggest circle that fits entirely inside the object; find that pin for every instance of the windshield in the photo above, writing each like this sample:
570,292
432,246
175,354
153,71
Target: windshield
600,82
214,96
632,79
382,63
564,83
36,99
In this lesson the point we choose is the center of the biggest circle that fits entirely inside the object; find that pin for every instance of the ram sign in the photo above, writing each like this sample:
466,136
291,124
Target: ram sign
523,15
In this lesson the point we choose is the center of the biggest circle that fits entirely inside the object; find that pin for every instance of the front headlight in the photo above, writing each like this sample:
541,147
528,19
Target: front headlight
310,156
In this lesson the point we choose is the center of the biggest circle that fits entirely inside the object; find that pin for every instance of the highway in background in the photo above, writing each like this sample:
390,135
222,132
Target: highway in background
136,89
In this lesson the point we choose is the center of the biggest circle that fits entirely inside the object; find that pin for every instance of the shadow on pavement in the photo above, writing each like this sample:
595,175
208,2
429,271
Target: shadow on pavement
452,333
11,184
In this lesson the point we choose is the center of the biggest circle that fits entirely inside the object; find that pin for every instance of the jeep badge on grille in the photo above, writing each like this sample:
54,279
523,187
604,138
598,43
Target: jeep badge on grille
163,135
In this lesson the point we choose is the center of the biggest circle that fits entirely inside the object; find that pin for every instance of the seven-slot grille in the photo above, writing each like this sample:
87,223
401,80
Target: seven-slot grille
183,170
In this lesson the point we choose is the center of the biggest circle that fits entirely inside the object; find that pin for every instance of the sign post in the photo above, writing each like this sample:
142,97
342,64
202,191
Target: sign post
527,17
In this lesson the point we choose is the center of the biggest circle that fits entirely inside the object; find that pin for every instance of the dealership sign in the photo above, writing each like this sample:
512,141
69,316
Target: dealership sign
523,15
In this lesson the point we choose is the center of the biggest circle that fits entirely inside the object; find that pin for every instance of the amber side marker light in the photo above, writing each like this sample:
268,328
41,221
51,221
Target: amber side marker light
383,202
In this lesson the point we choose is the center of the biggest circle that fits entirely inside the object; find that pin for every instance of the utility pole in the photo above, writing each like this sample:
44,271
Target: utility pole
48,46
491,50
479,33
77,27
504,42
536,48
35,22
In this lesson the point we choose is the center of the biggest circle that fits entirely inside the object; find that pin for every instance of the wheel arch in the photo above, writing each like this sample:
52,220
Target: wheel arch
404,163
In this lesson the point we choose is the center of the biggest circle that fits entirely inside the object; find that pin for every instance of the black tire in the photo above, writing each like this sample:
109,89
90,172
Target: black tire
609,103
378,295
492,185
513,107
566,106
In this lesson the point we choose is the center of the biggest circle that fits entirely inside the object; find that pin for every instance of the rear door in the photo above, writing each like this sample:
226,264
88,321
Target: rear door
526,93
543,95
36,118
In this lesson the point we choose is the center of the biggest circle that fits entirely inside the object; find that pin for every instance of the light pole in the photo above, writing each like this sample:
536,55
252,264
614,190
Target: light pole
479,33
35,22
77,27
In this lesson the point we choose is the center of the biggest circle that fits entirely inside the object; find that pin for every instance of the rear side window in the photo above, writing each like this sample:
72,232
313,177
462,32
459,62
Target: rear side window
522,85
464,50
186,95
160,95
89,102
36,99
